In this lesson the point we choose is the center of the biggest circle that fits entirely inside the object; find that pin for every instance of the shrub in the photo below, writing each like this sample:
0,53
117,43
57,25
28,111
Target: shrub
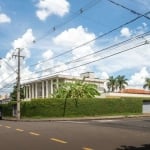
86,107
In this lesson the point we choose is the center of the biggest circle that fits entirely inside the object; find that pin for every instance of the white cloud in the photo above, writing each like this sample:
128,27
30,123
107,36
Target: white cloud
130,60
4,18
138,79
24,42
47,8
45,64
47,54
125,32
9,65
104,75
74,37
144,24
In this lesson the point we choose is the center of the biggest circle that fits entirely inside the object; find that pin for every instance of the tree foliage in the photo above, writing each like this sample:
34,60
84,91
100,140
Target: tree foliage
111,84
76,90
116,83
121,81
13,94
147,83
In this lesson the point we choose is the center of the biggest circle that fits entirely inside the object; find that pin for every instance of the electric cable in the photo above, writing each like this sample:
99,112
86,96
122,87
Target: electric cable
131,10
116,53
93,53
74,16
98,37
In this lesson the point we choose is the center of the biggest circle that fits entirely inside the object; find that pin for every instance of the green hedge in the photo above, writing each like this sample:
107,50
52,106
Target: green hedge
86,107
6,109
97,107
42,108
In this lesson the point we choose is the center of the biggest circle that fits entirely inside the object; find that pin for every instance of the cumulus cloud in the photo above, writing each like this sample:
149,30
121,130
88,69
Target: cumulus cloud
47,54
74,37
47,8
44,65
125,32
4,18
138,79
104,75
24,42
9,66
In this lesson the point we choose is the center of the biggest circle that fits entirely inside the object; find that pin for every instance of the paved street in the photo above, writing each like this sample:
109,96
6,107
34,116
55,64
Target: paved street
123,134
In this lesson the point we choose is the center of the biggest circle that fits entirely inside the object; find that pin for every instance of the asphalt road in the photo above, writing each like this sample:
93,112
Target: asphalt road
125,134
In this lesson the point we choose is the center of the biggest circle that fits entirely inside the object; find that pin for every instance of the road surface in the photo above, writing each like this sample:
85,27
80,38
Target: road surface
123,134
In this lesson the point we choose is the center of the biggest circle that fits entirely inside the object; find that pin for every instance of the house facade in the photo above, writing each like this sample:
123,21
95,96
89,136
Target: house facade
128,93
44,88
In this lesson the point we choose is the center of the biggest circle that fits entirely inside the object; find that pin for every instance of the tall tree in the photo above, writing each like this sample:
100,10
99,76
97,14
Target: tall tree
111,84
121,81
13,94
147,83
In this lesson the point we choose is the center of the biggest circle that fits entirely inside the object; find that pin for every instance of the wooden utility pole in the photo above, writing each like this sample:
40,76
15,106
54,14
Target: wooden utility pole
18,83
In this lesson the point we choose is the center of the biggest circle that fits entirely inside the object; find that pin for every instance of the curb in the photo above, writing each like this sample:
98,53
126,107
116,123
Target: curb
77,119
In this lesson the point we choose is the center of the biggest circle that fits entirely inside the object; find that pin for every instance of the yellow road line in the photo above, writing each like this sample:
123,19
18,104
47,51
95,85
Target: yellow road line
20,130
86,148
58,140
7,127
33,133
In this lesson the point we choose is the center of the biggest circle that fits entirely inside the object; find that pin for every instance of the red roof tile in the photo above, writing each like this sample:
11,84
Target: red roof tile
135,91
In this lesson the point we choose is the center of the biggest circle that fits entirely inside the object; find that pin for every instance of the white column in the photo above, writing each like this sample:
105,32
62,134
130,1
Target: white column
52,86
42,89
30,92
47,89
57,82
36,90
26,92
33,90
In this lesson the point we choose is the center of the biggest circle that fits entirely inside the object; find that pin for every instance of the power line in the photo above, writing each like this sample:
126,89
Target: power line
95,60
8,64
93,53
7,85
74,16
7,77
131,10
92,61
98,37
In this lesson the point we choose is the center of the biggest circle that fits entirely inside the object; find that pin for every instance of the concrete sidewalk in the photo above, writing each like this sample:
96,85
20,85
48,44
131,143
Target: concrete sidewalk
76,118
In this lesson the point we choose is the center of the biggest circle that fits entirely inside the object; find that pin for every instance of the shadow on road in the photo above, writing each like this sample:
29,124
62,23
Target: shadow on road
142,147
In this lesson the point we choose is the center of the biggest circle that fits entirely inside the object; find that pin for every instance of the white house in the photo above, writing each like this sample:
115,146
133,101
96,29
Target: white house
43,88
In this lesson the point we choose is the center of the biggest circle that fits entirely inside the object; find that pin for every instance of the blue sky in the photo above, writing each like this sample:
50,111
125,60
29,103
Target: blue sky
22,22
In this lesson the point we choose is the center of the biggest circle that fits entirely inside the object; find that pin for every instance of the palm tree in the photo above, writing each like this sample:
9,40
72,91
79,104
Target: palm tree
75,91
147,83
121,81
111,84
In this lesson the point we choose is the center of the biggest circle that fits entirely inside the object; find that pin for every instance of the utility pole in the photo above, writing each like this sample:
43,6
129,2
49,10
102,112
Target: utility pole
18,83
